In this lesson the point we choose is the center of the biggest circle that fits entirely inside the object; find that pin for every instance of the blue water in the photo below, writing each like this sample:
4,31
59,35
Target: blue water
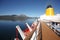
8,28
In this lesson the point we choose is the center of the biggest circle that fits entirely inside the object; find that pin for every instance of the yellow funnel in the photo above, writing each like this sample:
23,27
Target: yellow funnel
49,11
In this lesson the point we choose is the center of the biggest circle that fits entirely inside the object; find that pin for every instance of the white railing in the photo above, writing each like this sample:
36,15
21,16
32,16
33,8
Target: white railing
34,36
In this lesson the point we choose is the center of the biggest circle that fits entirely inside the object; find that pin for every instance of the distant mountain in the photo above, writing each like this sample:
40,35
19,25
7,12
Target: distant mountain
16,17
22,16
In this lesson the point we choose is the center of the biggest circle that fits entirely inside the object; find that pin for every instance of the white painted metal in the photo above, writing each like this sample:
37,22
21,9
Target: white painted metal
20,31
28,27
34,36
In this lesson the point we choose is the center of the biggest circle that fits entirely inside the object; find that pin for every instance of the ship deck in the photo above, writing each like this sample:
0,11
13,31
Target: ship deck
45,33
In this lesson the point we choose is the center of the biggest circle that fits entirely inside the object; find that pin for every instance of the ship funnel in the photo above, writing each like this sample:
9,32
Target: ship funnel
49,11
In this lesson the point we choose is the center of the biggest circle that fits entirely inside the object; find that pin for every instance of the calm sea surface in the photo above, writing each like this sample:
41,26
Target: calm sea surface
8,28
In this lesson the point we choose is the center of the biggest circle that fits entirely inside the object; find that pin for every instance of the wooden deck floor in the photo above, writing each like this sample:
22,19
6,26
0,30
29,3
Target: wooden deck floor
47,33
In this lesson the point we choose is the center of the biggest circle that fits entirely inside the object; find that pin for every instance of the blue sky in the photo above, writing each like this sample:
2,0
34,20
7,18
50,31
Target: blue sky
28,7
